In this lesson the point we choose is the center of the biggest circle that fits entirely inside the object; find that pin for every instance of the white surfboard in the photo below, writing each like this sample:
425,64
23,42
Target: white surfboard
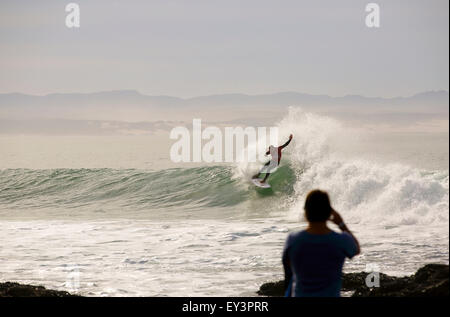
258,183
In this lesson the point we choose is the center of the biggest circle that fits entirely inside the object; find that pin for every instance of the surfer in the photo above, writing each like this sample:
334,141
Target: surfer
270,166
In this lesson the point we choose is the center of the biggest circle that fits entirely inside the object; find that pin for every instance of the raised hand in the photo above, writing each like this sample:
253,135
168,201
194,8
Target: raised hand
336,217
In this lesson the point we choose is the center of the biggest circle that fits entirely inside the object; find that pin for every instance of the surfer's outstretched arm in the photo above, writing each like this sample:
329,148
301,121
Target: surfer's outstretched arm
287,143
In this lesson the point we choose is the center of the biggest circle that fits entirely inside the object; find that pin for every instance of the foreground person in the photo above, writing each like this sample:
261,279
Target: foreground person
313,258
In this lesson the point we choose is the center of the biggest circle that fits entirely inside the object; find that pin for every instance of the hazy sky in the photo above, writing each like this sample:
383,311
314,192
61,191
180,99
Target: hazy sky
198,47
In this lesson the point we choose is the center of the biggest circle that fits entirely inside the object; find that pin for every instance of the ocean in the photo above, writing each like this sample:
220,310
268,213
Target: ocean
113,216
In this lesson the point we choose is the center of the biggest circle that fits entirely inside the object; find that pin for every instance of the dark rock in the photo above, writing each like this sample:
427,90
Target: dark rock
9,289
275,289
430,280
352,281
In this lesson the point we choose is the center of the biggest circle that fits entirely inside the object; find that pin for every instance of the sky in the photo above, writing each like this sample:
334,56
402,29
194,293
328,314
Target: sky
189,48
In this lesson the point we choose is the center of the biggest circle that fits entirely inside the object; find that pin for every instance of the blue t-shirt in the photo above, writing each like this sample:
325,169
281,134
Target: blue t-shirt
314,262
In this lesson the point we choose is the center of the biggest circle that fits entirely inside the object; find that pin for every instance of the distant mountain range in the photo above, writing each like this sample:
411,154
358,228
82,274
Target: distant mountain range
98,111
437,100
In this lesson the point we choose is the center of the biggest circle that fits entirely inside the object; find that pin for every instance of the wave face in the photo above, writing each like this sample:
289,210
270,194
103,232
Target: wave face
199,187
362,190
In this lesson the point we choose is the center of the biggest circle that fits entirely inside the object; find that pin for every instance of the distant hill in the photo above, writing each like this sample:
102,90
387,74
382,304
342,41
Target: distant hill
66,105
57,112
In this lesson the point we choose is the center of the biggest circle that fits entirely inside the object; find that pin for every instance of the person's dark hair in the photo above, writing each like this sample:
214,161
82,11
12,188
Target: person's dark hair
317,206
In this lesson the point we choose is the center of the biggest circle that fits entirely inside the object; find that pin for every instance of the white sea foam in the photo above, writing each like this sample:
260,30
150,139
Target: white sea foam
363,190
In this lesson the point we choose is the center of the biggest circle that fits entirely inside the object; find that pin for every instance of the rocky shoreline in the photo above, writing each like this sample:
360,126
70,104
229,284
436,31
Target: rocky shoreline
10,289
429,281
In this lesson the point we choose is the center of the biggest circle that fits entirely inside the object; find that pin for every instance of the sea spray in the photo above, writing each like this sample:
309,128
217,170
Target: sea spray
363,190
